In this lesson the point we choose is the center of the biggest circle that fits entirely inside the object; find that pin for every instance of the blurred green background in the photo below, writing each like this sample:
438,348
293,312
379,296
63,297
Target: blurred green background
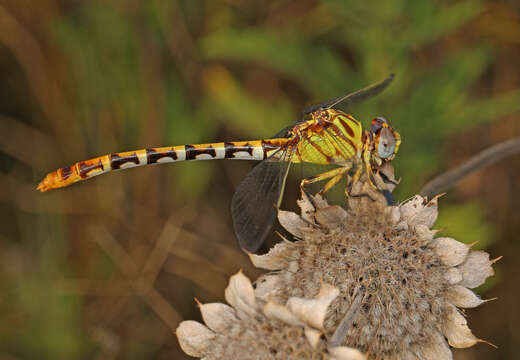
107,269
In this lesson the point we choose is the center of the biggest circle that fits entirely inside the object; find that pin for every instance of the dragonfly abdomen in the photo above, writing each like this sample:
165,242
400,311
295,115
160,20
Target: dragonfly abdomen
245,150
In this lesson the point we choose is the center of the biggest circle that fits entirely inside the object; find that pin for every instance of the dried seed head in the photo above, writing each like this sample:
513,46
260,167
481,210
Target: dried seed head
395,294
255,330
412,282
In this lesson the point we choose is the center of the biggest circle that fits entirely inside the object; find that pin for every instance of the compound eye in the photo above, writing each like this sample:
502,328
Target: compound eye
385,143
376,125
382,120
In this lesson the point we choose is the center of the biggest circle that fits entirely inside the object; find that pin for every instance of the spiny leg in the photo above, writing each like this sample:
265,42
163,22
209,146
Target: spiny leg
368,168
353,180
331,183
350,184
334,175
385,192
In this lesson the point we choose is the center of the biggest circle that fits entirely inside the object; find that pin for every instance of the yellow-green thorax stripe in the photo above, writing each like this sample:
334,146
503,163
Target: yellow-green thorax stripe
335,141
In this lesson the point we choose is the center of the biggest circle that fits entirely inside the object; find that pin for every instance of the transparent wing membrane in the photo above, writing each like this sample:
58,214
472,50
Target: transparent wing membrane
353,98
285,132
255,203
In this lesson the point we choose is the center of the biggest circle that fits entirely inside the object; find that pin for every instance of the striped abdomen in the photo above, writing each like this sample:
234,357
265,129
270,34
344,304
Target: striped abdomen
247,150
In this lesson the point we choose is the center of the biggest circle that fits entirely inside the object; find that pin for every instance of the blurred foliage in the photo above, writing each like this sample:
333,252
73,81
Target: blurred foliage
426,104
93,77
469,226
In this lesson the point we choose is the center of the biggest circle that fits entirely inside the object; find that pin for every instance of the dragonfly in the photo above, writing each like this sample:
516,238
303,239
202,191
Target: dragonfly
324,136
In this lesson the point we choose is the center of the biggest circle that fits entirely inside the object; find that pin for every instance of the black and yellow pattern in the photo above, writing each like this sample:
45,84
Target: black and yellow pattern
330,136
83,170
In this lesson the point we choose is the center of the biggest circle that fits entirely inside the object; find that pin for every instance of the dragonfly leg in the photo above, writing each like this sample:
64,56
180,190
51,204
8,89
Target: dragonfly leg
352,181
330,184
370,177
334,175
368,168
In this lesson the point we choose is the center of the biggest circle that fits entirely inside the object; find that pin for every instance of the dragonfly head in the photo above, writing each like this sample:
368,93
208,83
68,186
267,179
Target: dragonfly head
384,138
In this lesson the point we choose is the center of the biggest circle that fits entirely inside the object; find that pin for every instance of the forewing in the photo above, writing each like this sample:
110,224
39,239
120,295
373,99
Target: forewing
353,98
255,202
285,132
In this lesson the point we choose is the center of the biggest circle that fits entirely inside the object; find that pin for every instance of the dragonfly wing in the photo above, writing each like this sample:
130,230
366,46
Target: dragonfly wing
285,132
255,202
354,97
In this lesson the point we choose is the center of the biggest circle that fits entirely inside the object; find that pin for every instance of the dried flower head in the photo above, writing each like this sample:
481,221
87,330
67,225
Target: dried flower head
413,283
253,329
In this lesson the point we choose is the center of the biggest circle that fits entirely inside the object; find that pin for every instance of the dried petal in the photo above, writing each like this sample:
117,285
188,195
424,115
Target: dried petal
425,232
327,291
456,330
450,251
412,207
418,213
267,286
331,217
194,338
373,200
218,317
307,208
402,225
390,182
453,276
313,336
395,214
476,269
428,215
240,294
436,349
463,297
320,201
292,268
430,212
280,312
313,311
346,353
275,259
292,222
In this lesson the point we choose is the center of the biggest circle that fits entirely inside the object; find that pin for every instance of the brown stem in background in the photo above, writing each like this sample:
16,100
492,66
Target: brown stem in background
20,133
482,159
41,78
141,282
